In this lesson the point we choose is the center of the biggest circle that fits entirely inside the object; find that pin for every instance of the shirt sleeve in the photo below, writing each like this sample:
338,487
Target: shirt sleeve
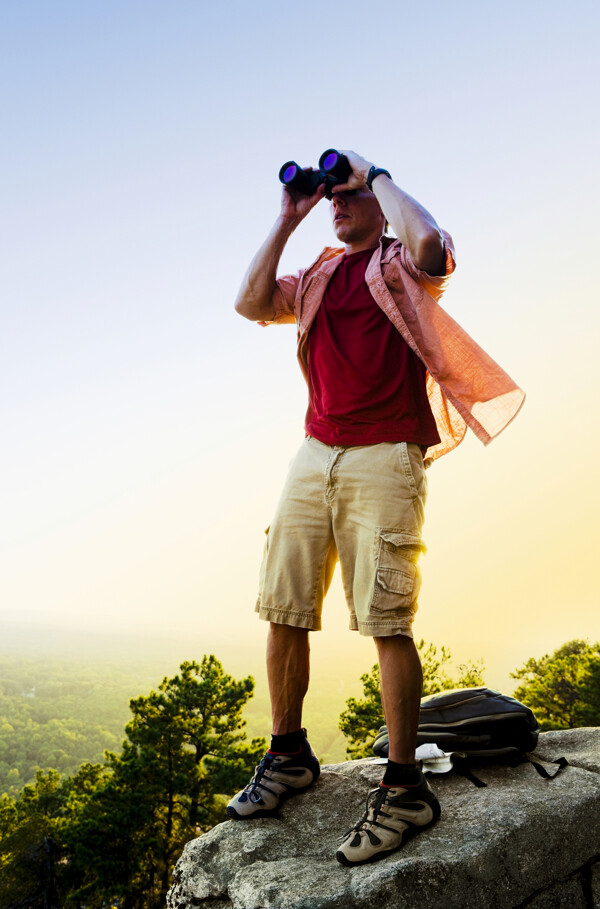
284,298
433,284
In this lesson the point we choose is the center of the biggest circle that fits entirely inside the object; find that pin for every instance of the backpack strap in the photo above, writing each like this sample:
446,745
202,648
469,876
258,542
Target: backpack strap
460,765
561,762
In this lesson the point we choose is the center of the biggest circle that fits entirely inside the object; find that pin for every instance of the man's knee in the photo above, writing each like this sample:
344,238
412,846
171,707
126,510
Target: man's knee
287,639
285,632
396,643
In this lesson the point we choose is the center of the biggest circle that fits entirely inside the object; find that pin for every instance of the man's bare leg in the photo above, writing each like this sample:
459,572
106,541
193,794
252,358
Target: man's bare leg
288,673
403,798
401,689
290,765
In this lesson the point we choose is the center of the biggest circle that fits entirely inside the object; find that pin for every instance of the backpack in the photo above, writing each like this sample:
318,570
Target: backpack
475,724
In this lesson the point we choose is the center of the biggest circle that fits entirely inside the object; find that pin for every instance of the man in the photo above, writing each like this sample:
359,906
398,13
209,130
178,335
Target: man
392,381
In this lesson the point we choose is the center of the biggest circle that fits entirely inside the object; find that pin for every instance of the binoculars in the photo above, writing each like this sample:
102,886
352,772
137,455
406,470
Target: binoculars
333,169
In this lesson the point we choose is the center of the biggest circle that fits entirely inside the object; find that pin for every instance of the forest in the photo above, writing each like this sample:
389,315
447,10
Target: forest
58,713
101,789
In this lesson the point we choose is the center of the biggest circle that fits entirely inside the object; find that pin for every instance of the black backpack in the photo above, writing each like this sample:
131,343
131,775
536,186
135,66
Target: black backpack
476,724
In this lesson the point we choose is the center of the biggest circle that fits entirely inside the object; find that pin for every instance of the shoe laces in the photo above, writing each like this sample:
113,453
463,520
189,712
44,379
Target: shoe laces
259,772
379,796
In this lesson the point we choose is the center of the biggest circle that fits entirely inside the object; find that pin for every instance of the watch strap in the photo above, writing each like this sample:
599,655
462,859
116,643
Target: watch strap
375,172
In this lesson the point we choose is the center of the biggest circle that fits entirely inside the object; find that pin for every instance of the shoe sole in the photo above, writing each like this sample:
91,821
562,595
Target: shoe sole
411,831
233,815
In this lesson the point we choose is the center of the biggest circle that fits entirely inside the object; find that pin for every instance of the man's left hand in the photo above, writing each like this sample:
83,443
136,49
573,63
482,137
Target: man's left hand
360,172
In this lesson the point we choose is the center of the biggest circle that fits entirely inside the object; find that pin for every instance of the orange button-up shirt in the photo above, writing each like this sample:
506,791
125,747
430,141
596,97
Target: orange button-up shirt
465,386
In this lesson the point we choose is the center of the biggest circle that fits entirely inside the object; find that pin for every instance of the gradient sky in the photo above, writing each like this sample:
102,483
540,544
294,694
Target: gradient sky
147,429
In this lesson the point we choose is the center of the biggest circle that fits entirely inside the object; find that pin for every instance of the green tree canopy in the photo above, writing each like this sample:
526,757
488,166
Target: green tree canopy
114,831
60,714
29,833
563,689
363,717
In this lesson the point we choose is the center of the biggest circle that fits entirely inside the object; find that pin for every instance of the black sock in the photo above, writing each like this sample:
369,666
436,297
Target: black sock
288,743
400,774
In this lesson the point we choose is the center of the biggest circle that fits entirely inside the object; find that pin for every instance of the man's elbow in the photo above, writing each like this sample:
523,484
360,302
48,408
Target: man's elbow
255,311
240,307
430,254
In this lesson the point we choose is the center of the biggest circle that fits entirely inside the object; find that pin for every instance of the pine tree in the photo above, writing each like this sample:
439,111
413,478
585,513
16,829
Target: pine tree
563,689
30,843
113,831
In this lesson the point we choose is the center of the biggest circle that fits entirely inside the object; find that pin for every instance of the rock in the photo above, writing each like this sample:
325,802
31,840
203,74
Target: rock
569,894
523,840
595,882
581,747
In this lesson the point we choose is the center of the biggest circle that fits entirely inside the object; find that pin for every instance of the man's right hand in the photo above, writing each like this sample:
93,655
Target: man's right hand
255,297
295,206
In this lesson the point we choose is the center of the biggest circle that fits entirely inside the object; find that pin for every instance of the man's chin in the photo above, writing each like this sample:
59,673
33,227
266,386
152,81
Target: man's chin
343,232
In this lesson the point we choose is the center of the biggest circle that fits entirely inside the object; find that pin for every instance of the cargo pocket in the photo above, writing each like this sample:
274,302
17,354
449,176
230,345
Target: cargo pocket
397,576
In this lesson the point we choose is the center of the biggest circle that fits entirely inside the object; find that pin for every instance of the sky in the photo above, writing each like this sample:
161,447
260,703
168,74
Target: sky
147,428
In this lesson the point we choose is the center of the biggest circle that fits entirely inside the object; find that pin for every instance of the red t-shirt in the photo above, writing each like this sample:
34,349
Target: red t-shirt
365,384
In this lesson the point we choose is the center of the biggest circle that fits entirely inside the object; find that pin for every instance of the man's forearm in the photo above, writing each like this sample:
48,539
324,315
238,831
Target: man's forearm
255,297
413,225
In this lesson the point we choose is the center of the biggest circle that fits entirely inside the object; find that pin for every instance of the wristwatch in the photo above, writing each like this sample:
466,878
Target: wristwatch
374,172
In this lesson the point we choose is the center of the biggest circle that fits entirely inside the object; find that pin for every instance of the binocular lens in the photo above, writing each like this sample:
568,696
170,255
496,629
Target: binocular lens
336,168
298,180
289,173
329,161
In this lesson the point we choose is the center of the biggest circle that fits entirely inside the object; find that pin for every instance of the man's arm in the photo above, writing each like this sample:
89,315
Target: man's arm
255,297
413,225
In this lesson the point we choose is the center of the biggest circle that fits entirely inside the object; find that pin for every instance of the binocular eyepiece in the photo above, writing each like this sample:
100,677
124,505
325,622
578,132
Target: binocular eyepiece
334,168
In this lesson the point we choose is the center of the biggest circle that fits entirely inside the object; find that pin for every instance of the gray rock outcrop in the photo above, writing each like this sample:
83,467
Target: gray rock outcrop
521,842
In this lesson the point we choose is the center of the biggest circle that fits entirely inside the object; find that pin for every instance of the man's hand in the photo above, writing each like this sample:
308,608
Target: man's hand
360,172
413,225
295,206
255,297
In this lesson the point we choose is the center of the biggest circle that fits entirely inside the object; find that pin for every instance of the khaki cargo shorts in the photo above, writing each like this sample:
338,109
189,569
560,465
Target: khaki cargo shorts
363,505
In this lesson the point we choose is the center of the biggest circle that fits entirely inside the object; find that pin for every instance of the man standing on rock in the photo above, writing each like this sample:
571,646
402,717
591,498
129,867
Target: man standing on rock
393,382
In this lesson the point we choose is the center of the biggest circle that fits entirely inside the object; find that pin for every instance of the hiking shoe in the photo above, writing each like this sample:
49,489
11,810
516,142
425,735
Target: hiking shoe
392,815
277,777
